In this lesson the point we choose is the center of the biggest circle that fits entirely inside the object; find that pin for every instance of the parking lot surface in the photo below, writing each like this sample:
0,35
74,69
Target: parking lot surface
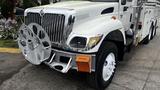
140,70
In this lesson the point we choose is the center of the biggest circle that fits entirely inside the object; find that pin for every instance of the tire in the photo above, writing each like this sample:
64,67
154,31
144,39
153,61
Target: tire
105,65
149,36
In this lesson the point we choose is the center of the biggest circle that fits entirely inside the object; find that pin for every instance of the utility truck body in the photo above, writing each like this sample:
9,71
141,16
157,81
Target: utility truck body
88,36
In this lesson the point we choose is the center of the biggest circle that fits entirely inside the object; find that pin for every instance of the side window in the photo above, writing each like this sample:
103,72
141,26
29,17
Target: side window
108,10
123,2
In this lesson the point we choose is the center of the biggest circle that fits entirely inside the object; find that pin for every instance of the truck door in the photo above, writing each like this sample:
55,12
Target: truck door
125,13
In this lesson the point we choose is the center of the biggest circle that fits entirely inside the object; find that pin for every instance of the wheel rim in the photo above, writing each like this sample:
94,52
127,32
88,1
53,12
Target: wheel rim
150,34
109,66
154,30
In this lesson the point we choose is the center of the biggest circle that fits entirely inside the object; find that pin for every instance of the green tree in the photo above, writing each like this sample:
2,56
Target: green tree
30,3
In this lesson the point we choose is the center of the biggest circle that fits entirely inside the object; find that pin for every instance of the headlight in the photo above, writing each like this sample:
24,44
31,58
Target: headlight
78,42
93,41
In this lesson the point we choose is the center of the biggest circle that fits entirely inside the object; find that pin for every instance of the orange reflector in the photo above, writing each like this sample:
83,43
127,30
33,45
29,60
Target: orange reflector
83,63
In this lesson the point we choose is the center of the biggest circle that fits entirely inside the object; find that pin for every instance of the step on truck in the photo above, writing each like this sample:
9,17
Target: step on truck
87,36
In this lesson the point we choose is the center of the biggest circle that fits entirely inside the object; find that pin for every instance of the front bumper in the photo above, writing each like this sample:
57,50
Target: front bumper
63,61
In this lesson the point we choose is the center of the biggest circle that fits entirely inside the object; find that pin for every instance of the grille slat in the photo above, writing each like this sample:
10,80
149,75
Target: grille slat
59,29
53,24
58,24
62,21
55,29
50,28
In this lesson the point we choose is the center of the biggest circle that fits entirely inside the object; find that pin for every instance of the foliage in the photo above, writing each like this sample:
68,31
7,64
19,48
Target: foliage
1,2
8,29
29,3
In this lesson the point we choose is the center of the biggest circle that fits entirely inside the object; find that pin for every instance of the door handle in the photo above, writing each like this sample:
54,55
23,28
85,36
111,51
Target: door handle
125,8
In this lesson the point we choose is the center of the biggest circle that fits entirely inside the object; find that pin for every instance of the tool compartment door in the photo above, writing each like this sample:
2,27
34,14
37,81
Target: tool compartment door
147,21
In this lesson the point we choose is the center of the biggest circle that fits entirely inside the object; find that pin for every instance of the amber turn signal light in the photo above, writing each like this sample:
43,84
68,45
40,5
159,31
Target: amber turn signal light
83,63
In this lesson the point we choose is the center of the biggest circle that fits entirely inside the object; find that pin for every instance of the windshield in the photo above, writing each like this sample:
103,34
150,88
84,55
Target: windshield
95,0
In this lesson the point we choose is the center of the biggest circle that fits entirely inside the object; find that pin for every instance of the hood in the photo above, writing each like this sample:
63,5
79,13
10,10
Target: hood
77,5
82,9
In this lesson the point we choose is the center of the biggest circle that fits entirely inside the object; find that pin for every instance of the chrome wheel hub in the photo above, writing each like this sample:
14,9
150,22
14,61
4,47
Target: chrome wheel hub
109,66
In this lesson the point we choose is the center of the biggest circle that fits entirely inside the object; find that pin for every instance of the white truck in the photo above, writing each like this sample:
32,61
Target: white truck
88,36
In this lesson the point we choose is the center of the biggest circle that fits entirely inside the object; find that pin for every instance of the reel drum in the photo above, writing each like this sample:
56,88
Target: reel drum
34,43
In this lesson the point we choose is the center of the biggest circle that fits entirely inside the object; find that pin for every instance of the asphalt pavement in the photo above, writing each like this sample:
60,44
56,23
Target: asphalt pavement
140,70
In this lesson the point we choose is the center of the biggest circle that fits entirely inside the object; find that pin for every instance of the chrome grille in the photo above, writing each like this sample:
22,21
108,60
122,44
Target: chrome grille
33,17
53,24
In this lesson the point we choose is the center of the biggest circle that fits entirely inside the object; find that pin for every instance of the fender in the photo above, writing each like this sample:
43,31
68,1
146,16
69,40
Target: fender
116,36
102,25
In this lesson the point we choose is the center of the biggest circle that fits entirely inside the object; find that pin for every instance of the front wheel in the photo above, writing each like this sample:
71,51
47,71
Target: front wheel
105,66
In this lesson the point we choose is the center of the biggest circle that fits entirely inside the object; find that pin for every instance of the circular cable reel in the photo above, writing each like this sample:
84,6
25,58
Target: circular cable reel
34,43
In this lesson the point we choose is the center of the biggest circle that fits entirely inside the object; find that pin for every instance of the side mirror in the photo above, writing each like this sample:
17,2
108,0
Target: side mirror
123,2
